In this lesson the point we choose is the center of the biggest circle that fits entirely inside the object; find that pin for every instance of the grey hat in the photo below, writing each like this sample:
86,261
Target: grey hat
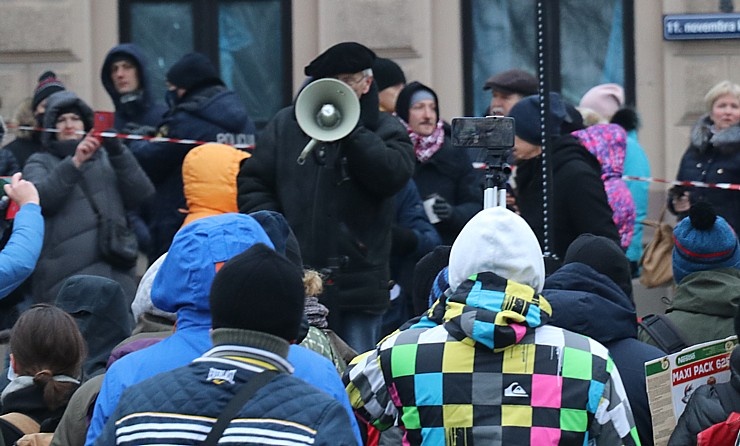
513,81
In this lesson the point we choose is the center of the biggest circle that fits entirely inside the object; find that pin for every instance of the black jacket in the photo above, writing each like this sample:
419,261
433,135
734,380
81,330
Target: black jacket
450,174
339,203
142,108
591,304
713,158
579,204
213,114
705,409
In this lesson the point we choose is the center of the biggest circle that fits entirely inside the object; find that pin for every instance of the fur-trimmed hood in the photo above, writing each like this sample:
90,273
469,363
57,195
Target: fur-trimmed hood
723,140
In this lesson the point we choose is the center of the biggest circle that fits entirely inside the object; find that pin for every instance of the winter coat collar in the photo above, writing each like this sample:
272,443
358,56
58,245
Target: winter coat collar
590,303
715,292
702,136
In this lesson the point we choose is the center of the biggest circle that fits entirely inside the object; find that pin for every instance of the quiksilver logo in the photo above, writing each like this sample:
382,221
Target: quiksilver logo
515,390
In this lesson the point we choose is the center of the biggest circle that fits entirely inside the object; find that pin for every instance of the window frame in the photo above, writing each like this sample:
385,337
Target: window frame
628,39
205,33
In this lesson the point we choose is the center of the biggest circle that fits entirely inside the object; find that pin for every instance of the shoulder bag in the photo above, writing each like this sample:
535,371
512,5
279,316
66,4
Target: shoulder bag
117,242
656,263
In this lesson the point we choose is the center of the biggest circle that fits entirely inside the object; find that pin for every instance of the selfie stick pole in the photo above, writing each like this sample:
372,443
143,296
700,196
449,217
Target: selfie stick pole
494,193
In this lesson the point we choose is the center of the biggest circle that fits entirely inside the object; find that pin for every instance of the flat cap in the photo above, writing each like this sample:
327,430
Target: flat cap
513,81
345,57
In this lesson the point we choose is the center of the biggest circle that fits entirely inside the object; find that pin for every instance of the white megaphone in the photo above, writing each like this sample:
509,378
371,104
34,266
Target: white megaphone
326,110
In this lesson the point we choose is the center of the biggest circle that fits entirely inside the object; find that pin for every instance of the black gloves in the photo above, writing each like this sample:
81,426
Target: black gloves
403,241
112,145
442,208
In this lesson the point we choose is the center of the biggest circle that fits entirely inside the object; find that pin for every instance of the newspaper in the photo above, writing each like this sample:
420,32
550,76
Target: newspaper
672,379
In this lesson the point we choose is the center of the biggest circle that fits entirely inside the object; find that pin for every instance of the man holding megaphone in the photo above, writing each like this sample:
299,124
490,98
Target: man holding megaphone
331,164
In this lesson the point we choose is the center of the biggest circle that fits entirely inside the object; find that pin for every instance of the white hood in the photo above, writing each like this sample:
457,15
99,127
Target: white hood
499,241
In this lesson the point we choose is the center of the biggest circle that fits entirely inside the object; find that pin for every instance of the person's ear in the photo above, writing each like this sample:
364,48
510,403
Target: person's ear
368,83
14,365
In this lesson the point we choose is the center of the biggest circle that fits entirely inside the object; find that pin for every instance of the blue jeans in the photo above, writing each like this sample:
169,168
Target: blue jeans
359,329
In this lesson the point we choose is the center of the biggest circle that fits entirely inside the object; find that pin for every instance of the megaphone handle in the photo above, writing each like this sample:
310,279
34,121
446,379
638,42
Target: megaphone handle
306,150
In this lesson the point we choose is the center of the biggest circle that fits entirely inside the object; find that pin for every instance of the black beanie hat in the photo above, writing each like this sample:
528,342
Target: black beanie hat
345,57
193,70
526,114
48,85
259,290
604,256
403,102
387,73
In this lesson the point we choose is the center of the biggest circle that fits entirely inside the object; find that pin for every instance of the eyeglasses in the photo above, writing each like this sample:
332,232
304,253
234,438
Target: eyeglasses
351,79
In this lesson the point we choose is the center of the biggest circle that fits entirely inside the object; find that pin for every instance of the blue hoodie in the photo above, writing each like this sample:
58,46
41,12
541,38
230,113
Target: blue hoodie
182,286
144,110
590,303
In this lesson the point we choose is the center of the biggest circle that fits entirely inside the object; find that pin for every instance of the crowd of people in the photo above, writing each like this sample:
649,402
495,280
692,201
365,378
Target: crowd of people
364,296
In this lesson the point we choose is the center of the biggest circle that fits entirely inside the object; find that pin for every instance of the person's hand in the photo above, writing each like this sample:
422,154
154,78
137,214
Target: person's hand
21,191
681,203
85,150
113,145
442,208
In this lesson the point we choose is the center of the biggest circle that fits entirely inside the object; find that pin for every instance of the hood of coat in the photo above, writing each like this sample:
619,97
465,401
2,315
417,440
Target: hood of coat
590,303
715,292
135,53
499,241
494,312
209,180
102,313
183,282
608,143
58,102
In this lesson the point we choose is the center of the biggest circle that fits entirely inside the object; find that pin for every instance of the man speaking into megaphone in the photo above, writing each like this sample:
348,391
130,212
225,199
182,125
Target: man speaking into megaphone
333,173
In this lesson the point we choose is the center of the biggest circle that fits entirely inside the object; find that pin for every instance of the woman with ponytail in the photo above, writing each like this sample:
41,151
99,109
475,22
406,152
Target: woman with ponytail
46,355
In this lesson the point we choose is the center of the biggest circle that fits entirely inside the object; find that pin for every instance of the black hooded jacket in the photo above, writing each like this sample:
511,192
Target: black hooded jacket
579,204
140,109
102,314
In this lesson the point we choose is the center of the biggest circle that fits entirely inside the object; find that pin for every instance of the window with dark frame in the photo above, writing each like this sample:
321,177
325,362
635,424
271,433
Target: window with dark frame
248,40
595,41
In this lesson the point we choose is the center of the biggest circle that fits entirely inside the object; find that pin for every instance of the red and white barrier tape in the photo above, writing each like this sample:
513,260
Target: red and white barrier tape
138,137
726,186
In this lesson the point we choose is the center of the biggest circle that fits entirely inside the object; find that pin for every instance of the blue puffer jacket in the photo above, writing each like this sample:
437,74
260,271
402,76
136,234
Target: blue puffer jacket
213,114
182,285
144,109
187,401
591,304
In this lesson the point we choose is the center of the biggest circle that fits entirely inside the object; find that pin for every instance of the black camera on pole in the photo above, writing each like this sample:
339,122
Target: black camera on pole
495,134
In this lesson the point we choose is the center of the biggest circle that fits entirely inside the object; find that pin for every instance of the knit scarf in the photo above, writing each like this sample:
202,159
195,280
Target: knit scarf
426,146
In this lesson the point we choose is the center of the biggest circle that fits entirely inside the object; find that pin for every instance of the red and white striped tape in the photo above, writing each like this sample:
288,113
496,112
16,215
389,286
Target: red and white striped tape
134,137
727,186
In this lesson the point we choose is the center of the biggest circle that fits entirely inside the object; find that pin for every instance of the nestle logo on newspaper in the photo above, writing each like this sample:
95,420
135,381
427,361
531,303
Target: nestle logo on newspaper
685,358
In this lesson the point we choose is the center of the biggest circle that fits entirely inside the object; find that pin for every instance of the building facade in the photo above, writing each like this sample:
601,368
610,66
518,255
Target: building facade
432,40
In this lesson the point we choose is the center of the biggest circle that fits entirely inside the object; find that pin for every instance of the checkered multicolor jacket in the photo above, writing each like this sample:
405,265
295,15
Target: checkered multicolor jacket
492,373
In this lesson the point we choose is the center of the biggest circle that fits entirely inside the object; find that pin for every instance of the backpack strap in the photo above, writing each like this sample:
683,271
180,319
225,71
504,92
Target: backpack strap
664,332
238,401
23,423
